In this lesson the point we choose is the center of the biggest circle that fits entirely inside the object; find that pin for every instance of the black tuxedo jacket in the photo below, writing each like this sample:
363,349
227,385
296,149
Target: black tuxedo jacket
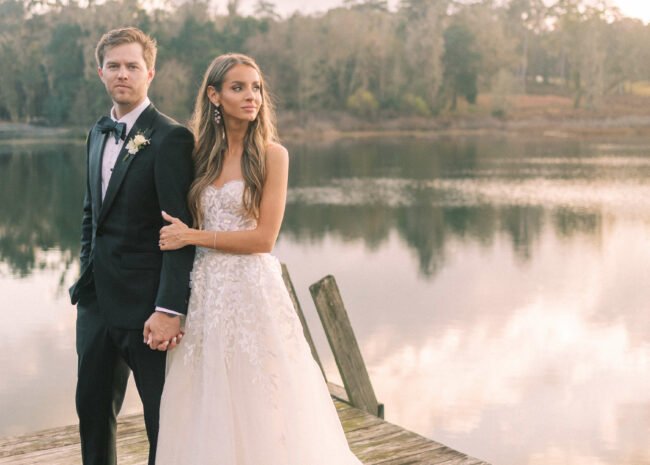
120,257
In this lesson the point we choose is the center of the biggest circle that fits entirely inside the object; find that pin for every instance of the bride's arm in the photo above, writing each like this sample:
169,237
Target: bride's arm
258,240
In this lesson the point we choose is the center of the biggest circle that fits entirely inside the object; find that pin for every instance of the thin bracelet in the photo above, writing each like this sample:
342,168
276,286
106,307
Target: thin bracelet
214,240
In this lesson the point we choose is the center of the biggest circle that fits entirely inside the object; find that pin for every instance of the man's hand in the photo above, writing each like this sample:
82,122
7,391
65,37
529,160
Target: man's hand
162,331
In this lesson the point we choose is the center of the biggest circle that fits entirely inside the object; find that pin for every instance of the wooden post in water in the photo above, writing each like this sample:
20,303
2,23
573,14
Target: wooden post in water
296,305
344,345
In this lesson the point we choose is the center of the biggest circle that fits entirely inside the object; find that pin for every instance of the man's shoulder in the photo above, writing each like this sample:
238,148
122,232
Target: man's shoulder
168,124
169,133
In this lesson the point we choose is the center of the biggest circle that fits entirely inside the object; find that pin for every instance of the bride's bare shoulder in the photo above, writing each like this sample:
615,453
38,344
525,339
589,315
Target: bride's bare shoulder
277,157
276,150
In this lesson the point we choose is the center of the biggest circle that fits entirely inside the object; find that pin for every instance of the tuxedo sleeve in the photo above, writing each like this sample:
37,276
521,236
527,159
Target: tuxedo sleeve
174,173
87,215
86,233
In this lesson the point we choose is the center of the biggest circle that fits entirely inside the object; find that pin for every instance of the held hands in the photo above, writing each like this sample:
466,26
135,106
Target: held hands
162,331
172,235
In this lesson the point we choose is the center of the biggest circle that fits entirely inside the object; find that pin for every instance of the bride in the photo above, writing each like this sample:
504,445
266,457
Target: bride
242,387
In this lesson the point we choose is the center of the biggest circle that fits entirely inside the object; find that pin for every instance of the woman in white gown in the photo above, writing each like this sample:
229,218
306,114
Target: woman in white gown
242,387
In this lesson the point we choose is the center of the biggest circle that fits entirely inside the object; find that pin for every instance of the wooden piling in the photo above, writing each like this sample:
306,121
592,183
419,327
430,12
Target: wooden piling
344,345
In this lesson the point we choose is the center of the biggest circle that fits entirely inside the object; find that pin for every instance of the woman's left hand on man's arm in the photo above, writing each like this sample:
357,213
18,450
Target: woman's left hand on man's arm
262,239
173,236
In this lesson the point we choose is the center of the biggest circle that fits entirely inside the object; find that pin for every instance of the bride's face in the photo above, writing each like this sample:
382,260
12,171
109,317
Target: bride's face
241,94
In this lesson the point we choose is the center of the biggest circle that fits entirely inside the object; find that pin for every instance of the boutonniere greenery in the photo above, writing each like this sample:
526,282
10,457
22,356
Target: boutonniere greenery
137,143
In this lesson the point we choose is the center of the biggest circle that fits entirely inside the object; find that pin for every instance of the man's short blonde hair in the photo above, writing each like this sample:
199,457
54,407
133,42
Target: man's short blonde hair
127,35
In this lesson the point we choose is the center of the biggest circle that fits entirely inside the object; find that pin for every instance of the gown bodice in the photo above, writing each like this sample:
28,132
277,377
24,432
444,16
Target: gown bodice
223,208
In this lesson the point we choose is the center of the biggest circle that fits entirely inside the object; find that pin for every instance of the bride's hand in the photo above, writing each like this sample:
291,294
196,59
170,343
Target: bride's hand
172,235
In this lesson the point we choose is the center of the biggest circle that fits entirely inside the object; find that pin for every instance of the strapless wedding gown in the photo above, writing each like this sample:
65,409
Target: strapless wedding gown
242,388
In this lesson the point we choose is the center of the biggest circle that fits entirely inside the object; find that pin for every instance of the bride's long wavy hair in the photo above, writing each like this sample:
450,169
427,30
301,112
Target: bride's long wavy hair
211,141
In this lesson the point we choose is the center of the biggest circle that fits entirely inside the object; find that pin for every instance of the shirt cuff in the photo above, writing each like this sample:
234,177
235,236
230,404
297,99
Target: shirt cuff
166,310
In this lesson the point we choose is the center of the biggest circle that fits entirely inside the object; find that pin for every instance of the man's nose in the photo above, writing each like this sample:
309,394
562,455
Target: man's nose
122,73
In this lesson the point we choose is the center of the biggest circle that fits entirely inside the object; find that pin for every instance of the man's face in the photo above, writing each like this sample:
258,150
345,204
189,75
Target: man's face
126,77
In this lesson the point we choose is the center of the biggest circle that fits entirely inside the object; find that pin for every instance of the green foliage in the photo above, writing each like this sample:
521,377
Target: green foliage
461,62
65,70
184,55
266,10
414,105
363,103
417,60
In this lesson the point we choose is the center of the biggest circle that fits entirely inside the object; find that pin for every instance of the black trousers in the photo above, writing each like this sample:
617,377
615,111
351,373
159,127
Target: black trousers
107,355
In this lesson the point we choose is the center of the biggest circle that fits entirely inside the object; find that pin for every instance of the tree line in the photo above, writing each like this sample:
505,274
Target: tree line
363,58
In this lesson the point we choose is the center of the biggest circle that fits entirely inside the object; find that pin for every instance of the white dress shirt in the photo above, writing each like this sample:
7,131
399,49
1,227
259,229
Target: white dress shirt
112,150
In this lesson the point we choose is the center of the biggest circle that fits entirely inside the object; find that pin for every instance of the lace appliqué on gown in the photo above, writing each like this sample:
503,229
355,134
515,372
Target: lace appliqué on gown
242,387
227,287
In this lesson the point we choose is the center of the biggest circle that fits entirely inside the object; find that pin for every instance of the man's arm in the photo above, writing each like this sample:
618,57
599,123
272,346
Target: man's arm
174,173
87,215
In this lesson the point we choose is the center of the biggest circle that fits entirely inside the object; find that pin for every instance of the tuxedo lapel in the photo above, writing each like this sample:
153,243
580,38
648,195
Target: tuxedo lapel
98,141
142,125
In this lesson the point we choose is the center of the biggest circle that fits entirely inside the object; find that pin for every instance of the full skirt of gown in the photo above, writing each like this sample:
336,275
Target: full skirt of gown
242,387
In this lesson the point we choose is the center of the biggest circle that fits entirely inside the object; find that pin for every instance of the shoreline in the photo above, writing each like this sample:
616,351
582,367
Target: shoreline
347,127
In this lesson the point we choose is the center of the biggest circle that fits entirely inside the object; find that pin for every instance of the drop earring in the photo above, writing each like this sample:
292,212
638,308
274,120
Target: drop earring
217,115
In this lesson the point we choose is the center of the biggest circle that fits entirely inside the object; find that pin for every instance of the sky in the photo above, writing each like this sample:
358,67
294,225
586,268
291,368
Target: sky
633,8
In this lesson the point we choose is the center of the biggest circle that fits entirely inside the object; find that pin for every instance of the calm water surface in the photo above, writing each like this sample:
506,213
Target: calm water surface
497,286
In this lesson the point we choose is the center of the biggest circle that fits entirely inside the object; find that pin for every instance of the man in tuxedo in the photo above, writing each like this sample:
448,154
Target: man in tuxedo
138,164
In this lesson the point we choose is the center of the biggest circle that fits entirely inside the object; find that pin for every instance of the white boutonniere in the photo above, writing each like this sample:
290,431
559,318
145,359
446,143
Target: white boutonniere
135,144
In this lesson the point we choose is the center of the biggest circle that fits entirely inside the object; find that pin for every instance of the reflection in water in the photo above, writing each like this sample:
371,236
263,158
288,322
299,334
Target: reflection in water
504,359
38,359
41,188
495,286
426,229
426,191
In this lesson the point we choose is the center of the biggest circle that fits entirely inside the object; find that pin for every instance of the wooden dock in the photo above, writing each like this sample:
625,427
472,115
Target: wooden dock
372,439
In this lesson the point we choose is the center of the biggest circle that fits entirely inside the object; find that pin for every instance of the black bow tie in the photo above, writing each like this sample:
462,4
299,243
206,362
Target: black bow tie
108,126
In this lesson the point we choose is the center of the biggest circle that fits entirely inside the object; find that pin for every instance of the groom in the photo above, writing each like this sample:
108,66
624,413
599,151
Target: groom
138,164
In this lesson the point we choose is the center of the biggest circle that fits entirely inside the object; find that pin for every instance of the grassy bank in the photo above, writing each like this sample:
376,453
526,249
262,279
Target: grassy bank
12,131
549,115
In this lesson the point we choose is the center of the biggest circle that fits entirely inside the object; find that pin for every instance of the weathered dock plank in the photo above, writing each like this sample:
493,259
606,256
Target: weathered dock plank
343,343
373,440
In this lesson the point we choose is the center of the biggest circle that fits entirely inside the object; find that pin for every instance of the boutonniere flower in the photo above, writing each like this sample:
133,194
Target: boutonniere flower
136,143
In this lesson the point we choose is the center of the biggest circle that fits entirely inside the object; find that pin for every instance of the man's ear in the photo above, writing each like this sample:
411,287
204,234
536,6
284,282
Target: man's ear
100,73
151,73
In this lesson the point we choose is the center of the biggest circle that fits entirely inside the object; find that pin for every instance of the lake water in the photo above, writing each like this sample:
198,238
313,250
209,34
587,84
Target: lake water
498,286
